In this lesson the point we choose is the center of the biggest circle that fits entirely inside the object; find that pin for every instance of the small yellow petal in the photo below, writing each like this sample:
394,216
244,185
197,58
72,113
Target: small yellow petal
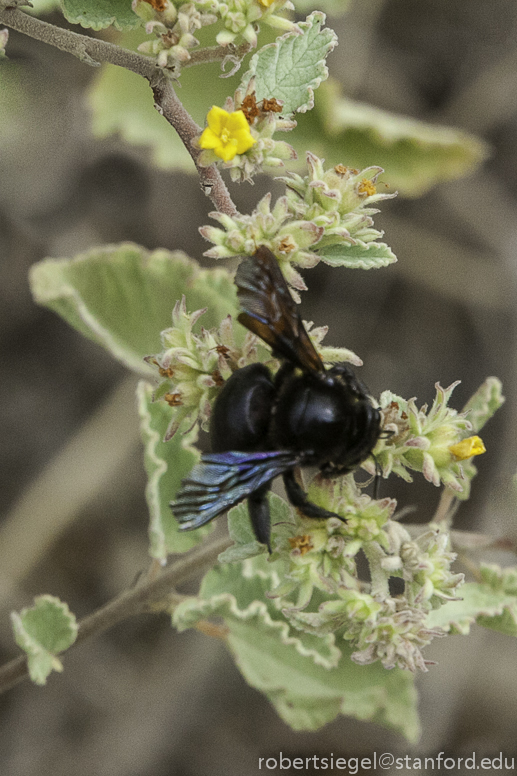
209,139
467,448
216,118
227,151
227,134
237,122
244,142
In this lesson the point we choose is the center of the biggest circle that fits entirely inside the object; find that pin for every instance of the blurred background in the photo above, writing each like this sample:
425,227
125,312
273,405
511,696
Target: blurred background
141,699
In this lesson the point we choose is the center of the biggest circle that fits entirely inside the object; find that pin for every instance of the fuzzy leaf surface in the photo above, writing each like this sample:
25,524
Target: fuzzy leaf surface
484,403
309,679
99,14
490,608
362,255
122,296
166,464
291,68
42,631
241,531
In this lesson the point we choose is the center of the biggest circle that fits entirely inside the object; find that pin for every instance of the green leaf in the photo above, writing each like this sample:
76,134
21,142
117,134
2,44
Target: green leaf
362,255
332,7
292,67
122,296
309,679
484,403
239,527
414,155
480,603
40,7
241,531
99,14
166,464
42,631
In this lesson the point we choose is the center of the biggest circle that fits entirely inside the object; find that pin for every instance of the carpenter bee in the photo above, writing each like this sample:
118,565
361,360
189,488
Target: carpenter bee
264,426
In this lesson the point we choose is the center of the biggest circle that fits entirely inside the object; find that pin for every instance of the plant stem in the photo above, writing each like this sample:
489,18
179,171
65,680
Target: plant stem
131,602
93,51
379,577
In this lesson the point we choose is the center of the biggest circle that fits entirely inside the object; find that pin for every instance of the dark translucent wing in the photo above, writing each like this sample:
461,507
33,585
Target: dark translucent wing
221,480
269,310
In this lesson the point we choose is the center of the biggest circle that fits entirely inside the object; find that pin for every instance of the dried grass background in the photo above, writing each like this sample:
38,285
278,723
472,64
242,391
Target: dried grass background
142,700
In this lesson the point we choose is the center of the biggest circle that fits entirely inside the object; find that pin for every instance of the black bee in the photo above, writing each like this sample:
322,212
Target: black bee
263,426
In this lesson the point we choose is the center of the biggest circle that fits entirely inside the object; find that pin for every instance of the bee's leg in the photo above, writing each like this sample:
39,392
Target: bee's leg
258,510
298,499
285,371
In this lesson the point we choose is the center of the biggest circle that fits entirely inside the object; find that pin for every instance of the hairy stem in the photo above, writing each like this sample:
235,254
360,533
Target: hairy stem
134,601
93,51
379,577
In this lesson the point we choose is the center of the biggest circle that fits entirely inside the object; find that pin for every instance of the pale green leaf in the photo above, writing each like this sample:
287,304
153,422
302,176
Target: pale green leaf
166,464
307,695
122,296
480,603
99,14
309,679
40,7
42,631
484,403
122,103
415,155
291,68
239,527
241,531
362,255
332,7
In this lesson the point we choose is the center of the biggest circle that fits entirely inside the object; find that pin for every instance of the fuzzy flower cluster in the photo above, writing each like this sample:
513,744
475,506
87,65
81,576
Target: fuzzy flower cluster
319,210
424,565
193,367
339,200
433,442
320,561
320,554
240,135
242,17
174,24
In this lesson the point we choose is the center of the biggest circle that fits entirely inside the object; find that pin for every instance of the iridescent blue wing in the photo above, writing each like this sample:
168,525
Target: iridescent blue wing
221,480
269,311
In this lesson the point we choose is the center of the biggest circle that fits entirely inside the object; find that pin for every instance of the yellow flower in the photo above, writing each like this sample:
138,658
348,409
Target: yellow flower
227,134
467,448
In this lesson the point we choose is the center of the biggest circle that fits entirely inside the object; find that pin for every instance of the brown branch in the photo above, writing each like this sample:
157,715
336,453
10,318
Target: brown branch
134,601
93,51
172,109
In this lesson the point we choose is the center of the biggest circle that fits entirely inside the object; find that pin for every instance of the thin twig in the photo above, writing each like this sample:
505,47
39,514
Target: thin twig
93,51
446,508
134,601
90,50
